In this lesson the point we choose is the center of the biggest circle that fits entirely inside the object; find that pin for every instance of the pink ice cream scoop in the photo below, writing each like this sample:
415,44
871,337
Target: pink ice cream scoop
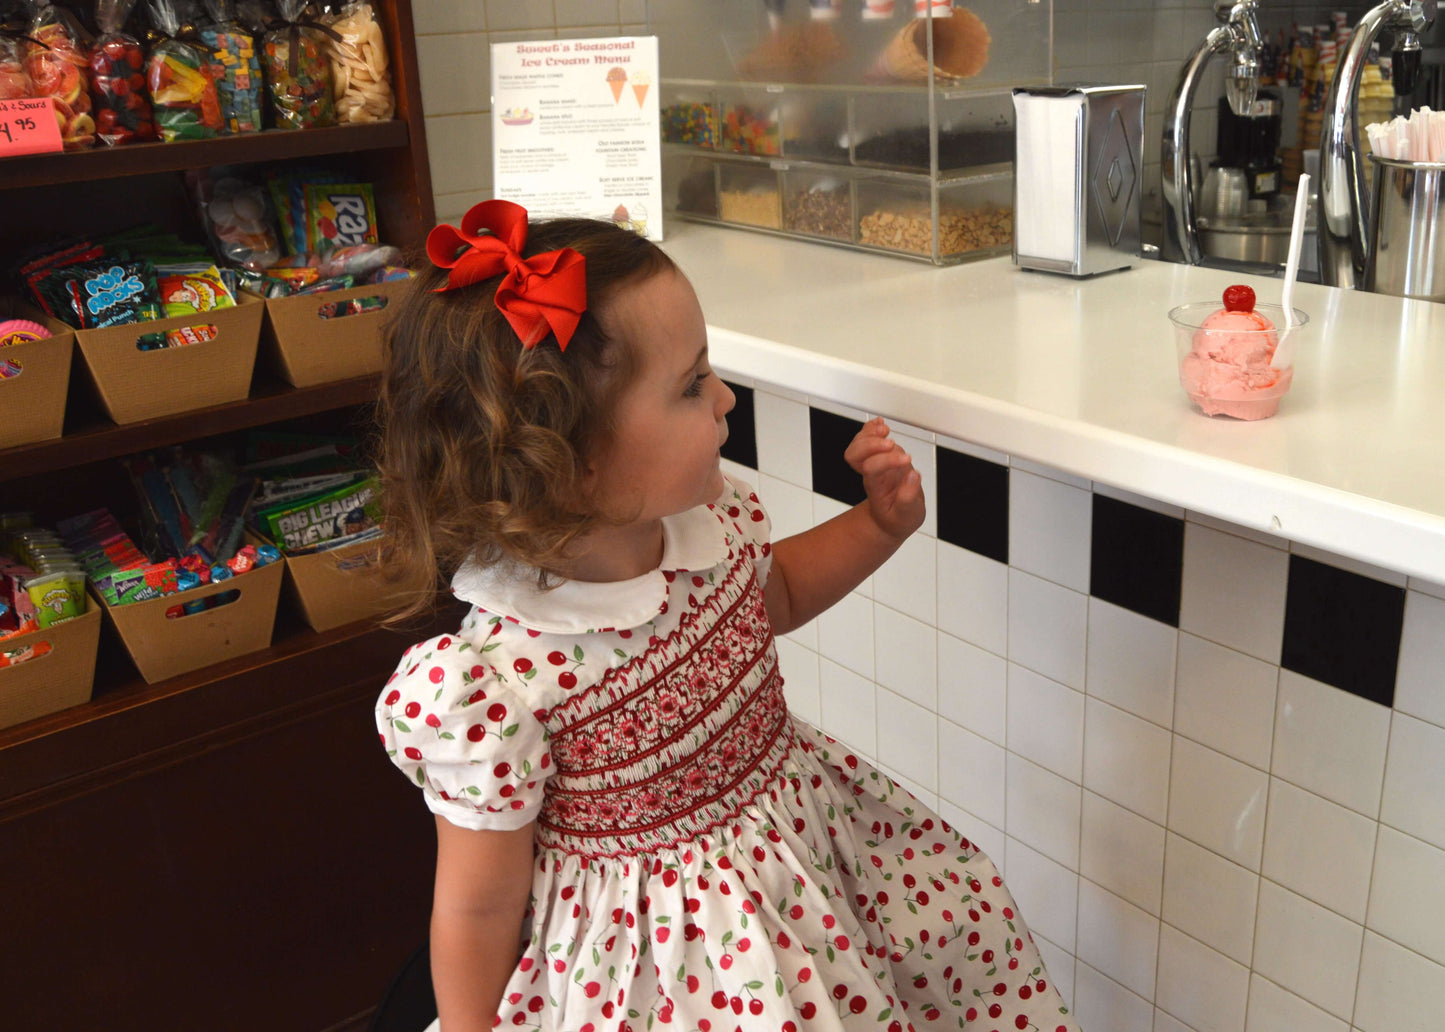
1226,369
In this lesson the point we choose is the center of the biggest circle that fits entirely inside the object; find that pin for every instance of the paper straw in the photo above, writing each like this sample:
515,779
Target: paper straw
1283,354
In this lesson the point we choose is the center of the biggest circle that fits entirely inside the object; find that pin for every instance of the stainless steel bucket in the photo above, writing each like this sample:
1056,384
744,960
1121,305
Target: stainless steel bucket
1406,253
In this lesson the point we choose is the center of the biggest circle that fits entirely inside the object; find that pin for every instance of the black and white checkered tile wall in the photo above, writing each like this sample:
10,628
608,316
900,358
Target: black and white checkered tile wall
1204,755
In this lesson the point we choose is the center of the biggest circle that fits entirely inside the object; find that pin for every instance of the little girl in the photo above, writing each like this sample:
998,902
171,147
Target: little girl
632,832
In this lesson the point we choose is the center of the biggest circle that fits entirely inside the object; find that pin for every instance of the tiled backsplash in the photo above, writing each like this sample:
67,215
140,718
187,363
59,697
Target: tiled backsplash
1210,762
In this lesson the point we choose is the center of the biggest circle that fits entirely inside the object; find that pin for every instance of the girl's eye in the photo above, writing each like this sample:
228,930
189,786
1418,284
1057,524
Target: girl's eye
694,389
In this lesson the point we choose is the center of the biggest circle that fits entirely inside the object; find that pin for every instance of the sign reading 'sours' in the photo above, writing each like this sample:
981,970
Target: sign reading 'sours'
575,129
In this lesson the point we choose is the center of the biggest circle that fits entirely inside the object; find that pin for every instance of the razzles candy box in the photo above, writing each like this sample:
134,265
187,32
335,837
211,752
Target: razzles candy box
34,374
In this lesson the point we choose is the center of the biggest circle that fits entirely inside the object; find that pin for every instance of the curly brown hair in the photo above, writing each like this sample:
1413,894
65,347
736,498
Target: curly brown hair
482,443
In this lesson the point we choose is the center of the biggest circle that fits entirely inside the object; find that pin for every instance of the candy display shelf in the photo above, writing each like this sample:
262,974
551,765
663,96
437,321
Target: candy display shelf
209,846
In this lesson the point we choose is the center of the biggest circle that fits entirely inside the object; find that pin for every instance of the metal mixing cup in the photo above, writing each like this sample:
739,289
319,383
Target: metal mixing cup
1406,253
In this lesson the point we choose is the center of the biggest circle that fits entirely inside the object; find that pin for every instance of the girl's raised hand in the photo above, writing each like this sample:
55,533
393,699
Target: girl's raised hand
894,487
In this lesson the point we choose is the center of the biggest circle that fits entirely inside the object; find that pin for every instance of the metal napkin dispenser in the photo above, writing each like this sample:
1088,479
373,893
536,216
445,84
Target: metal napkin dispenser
1078,174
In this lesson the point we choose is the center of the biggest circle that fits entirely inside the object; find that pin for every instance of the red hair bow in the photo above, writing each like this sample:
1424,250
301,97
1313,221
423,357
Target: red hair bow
547,292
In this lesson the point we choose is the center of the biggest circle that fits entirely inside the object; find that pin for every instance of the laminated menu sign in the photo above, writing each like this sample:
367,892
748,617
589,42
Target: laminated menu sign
575,129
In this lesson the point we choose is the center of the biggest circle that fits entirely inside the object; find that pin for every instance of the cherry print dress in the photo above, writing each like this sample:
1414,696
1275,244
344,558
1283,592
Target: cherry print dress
704,861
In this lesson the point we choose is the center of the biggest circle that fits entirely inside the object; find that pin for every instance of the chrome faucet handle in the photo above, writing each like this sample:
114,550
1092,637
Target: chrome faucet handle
1422,15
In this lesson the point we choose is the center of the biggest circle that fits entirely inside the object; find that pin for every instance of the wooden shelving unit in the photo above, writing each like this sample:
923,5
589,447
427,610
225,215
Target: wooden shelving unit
227,849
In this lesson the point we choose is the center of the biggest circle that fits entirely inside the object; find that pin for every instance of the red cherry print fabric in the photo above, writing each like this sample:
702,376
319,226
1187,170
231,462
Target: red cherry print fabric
704,861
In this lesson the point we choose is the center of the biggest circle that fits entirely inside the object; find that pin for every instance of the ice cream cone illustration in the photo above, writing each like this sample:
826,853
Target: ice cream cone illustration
616,78
640,82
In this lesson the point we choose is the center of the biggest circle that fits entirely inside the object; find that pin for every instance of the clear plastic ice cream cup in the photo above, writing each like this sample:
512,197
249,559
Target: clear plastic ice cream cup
1226,358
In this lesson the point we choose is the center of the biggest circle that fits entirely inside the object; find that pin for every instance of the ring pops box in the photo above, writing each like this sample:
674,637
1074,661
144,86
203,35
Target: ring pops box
165,366
163,645
61,678
333,335
34,378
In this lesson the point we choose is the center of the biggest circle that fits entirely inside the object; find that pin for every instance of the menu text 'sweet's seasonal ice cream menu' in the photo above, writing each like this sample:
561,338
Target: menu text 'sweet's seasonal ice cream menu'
575,129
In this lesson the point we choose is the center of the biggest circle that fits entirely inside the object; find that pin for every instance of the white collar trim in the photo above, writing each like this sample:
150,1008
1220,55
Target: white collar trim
692,540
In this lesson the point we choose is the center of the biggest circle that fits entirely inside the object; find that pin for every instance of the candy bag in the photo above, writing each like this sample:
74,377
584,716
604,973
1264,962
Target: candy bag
339,215
237,217
191,289
15,81
118,86
359,67
179,72
112,293
297,70
235,68
57,59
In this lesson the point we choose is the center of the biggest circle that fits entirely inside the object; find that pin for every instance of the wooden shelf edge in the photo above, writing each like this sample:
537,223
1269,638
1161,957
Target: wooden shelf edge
244,149
125,724
270,404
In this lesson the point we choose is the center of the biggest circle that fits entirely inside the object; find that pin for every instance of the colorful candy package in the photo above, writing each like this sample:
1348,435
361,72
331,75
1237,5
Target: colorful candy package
112,293
57,58
191,289
339,215
236,68
359,66
237,217
183,91
15,81
298,71
118,86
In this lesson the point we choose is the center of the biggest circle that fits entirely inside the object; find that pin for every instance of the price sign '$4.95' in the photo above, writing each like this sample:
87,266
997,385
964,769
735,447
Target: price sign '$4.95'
28,127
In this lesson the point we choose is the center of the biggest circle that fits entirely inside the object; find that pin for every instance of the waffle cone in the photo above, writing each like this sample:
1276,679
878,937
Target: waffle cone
960,49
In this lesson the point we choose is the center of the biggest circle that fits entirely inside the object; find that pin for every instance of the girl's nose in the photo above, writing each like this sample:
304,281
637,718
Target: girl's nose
726,400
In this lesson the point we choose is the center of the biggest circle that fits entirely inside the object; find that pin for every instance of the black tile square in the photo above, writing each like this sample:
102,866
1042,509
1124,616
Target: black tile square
1136,559
742,443
1343,629
830,436
972,503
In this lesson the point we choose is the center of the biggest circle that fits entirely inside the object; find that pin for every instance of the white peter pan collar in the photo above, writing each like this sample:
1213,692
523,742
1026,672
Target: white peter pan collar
692,540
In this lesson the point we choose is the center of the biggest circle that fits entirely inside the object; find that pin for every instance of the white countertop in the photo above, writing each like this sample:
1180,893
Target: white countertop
1080,375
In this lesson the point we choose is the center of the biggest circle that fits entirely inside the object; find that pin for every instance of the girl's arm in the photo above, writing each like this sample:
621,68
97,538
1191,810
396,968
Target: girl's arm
816,568
483,884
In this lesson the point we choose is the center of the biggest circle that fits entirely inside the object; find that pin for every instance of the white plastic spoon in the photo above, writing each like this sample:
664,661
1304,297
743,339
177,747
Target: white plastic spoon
1282,352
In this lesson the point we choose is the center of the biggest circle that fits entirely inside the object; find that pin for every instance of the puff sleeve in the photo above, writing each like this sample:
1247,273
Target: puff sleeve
750,522
465,735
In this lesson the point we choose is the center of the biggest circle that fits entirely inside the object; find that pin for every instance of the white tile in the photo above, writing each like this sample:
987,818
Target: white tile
749,476
1432,588
1046,892
908,580
1126,760
1166,1022
1341,562
1247,532
1311,951
1046,627
1131,661
1407,902
1137,500
1420,680
1413,800
783,438
1049,471
1118,938
978,451
520,14
1233,592
1210,898
799,667
460,152
906,741
1272,1009
1400,991
926,796
1319,849
1217,802
979,833
1043,810
806,635
452,207
971,772
973,687
1058,965
1046,722
439,16
845,634
848,713
906,654
789,507
455,73
1049,529
1201,986
1122,852
1225,700
1330,742
586,12
1102,1003
973,598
